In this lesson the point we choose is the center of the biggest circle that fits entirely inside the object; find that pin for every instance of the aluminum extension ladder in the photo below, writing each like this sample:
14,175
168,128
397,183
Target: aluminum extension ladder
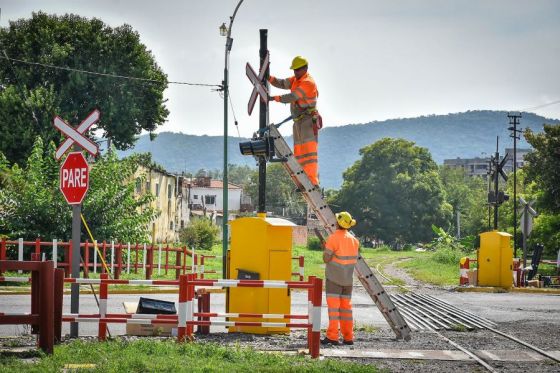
314,198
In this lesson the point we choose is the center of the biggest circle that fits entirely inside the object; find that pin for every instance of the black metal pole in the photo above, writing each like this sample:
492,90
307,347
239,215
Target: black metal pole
490,164
513,119
496,176
263,123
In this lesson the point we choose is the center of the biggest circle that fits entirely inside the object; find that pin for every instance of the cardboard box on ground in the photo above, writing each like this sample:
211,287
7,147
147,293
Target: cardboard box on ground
160,330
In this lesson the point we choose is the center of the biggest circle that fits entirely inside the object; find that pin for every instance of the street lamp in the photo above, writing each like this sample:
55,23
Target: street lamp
226,31
223,29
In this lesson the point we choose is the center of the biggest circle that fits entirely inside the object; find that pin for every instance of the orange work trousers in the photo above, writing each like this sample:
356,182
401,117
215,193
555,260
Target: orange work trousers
306,147
339,302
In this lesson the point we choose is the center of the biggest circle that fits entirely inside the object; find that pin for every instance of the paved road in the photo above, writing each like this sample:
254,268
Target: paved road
496,307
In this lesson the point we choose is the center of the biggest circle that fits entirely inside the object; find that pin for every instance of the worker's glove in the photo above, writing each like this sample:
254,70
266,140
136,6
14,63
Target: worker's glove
274,98
271,79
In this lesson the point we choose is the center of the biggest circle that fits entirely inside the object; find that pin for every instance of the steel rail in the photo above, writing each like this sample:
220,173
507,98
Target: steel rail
415,320
466,317
528,345
422,312
466,351
433,310
483,321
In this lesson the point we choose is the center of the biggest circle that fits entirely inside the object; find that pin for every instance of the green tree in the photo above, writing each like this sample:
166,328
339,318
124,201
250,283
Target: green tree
199,234
543,166
240,174
281,196
468,196
31,204
33,94
394,192
542,169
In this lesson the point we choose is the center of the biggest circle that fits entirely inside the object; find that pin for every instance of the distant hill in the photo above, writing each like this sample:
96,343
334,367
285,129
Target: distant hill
463,135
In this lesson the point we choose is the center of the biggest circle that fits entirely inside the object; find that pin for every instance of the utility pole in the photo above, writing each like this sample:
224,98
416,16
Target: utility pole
514,121
226,31
263,123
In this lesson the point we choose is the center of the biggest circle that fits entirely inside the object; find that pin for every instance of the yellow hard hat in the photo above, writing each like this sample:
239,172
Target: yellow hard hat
298,62
345,220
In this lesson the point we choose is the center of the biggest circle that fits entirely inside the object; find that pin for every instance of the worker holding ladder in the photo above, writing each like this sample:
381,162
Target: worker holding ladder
340,256
307,121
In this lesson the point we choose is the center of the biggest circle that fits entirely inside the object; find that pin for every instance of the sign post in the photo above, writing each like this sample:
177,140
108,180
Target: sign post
74,184
527,215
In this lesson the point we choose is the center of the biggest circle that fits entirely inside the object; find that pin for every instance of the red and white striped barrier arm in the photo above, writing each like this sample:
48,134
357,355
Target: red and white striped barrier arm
119,320
196,314
271,284
97,281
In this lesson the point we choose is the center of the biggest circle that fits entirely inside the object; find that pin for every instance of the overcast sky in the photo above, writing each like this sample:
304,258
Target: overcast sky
372,60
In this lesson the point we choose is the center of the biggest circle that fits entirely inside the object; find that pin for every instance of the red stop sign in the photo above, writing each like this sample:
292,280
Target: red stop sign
74,178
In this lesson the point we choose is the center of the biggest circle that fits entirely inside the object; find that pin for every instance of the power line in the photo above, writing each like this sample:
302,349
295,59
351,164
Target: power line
543,105
44,65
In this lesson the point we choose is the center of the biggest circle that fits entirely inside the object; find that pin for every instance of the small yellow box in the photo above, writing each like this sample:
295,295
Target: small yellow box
260,247
495,260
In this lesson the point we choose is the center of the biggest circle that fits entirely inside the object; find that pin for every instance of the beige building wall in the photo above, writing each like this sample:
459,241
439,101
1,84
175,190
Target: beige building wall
164,188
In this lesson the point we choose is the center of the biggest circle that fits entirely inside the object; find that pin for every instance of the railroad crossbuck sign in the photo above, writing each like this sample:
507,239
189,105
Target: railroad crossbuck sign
527,214
74,178
257,80
75,135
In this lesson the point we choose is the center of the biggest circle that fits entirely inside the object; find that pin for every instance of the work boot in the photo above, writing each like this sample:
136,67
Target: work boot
326,341
349,343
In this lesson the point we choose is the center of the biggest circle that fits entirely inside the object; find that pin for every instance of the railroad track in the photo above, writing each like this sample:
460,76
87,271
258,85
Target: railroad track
428,313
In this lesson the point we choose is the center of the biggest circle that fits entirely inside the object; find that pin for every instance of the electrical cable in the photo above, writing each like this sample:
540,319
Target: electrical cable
44,65
541,106
234,117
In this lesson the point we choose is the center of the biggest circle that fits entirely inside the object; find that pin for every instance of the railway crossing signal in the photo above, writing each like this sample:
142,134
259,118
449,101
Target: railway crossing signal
74,183
75,135
257,80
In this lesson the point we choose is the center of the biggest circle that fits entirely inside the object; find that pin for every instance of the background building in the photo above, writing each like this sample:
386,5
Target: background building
164,187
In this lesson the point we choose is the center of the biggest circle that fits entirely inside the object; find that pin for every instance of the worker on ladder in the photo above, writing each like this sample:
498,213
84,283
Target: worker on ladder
340,255
307,121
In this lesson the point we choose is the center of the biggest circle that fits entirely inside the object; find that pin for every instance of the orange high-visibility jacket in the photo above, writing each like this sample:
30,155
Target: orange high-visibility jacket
344,248
303,95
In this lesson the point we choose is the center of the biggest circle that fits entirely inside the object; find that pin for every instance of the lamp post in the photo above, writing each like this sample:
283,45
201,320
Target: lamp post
226,31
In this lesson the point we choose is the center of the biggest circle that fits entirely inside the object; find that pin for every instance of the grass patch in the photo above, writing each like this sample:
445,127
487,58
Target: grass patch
368,328
459,328
427,269
439,268
168,356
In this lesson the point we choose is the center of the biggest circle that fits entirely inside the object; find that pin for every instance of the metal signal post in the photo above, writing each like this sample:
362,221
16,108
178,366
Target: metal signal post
514,121
263,122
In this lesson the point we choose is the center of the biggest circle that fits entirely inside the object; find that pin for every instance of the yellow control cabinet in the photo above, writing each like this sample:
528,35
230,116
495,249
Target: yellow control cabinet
495,260
260,247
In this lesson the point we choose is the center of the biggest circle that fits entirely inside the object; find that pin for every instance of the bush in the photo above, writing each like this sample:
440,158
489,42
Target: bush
200,234
447,255
313,243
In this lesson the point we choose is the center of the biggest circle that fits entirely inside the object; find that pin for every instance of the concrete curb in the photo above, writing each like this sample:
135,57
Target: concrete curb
480,289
